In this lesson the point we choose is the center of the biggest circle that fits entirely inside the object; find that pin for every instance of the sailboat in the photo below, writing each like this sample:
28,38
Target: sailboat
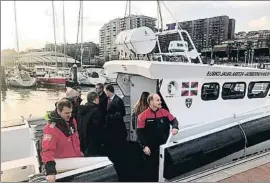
85,76
53,78
22,78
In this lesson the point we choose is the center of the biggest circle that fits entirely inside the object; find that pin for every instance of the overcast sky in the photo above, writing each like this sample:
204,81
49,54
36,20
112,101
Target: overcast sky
35,22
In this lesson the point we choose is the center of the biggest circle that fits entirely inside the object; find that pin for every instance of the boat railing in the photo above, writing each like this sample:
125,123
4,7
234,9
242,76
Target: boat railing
240,117
193,54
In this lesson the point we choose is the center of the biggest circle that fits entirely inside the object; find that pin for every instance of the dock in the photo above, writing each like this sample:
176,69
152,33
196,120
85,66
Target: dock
250,169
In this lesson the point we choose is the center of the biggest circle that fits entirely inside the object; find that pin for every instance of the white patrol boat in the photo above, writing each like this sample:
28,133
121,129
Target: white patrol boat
223,113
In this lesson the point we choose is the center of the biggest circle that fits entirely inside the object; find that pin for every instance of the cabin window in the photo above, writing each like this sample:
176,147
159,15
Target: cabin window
210,91
235,90
258,89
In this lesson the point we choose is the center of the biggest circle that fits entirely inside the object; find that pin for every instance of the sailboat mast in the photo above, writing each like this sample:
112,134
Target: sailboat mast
64,32
78,31
54,34
81,32
160,15
16,29
129,14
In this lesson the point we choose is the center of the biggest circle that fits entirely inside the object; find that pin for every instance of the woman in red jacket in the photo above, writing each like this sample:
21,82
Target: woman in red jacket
60,138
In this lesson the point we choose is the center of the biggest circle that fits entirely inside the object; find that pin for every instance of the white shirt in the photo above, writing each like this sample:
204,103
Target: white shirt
112,97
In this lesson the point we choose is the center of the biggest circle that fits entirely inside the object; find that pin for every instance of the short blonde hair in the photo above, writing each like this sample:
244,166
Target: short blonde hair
71,93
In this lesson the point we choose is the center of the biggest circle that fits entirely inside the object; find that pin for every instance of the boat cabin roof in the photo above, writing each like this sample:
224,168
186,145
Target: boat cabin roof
170,70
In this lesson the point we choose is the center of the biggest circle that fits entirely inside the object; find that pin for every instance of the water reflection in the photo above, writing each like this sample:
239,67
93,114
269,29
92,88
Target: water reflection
24,94
3,95
35,102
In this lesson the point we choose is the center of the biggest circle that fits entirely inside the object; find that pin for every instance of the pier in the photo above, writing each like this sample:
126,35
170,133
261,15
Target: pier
253,168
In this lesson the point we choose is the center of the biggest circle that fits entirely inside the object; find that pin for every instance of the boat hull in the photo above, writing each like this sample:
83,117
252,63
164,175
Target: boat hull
90,81
190,155
105,174
52,81
22,83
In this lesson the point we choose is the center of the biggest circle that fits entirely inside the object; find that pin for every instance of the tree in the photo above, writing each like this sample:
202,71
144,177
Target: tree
249,48
213,43
238,45
8,56
249,45
229,51
107,58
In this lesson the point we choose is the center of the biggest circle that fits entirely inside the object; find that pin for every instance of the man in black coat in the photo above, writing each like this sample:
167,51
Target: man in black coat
103,100
74,97
116,133
92,130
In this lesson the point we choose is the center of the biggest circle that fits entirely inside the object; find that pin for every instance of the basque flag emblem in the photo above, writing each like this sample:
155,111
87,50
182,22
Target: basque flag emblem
189,89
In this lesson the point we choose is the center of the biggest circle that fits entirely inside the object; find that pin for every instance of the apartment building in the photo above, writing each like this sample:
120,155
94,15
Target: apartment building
109,31
202,31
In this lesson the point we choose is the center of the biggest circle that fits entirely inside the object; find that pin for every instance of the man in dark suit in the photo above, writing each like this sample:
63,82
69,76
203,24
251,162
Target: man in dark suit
116,133
103,100
92,130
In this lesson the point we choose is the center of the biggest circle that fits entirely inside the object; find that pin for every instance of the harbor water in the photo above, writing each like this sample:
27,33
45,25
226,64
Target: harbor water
25,102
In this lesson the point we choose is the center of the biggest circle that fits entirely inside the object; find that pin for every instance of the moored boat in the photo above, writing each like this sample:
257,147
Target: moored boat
52,79
22,80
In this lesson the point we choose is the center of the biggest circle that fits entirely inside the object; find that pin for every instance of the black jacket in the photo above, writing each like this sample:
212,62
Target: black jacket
153,127
91,129
103,101
115,125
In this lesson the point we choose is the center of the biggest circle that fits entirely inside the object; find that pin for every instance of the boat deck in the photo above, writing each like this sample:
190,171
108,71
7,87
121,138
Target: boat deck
257,174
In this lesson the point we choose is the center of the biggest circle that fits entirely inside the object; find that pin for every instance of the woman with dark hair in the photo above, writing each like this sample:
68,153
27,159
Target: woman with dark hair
137,160
139,107
141,104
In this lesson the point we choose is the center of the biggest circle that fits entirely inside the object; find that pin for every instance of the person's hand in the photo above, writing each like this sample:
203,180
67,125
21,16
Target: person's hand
174,131
147,151
50,178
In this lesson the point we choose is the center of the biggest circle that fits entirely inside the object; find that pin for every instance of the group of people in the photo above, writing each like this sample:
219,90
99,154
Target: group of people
97,128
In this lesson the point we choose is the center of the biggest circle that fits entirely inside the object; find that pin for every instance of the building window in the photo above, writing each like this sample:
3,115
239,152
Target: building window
210,91
235,90
258,89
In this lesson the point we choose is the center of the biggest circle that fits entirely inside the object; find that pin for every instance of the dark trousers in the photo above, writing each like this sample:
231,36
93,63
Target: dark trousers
118,155
152,166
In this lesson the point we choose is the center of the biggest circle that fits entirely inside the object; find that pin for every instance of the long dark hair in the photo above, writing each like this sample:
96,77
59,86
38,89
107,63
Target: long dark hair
141,104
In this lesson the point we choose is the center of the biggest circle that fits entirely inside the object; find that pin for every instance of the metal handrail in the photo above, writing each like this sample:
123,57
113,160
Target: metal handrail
250,110
234,116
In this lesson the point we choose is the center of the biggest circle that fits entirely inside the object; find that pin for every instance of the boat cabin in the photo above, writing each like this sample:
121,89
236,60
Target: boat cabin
194,93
